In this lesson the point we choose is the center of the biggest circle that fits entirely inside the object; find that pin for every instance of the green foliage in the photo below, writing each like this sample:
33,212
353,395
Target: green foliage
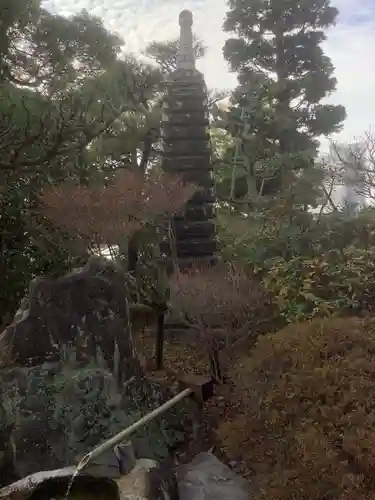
306,423
317,266
312,265
259,237
334,283
69,90
60,50
284,37
341,228
165,53
13,263
255,172
276,116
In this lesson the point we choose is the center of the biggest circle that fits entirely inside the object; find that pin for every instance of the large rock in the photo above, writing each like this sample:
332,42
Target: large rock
87,308
70,378
52,415
206,478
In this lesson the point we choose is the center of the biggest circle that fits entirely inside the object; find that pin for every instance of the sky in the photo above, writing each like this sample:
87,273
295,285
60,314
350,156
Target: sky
350,44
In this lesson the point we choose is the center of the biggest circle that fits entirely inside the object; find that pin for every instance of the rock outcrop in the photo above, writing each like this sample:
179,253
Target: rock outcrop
87,308
53,414
70,377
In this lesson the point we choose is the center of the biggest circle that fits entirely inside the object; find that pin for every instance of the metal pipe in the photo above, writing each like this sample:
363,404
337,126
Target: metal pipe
121,436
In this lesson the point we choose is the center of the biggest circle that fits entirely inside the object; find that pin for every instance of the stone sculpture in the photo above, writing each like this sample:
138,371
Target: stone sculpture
187,152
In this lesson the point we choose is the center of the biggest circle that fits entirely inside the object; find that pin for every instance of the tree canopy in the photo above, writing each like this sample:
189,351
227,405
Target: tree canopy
71,106
277,117
279,41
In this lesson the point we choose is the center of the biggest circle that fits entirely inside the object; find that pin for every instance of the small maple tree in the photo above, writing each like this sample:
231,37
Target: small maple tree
108,214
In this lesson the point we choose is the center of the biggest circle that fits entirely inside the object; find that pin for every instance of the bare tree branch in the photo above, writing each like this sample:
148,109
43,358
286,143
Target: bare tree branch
354,165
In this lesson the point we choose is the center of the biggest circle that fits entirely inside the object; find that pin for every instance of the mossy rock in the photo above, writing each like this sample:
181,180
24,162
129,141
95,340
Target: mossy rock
55,413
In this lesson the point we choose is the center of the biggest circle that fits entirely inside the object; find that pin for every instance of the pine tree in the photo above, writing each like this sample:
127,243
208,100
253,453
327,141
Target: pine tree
165,53
63,86
277,109
279,42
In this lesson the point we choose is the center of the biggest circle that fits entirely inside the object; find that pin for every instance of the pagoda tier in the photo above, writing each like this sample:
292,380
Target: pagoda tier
187,153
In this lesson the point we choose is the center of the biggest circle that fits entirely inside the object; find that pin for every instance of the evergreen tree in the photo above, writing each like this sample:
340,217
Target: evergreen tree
165,53
63,87
277,117
279,42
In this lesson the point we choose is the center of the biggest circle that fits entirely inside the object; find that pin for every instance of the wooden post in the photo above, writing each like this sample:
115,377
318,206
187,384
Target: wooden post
159,345
214,356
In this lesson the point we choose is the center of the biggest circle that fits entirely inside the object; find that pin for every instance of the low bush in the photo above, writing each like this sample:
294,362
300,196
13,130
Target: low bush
225,300
306,429
260,238
337,282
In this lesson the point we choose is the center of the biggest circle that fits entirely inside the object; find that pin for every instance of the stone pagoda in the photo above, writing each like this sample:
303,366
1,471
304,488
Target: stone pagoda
187,152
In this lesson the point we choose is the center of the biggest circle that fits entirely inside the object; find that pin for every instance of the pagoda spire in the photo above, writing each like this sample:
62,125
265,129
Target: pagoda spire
186,56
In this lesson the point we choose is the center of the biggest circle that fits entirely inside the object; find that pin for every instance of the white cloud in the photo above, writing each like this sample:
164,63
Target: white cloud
351,50
350,44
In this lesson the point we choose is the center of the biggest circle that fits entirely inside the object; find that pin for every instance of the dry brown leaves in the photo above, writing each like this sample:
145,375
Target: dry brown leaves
106,214
225,298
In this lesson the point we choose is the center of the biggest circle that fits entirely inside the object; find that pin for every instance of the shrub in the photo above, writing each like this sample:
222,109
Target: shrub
334,283
307,427
341,229
259,238
224,298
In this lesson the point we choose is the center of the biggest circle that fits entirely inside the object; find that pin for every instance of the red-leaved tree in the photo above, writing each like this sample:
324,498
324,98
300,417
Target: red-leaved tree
111,214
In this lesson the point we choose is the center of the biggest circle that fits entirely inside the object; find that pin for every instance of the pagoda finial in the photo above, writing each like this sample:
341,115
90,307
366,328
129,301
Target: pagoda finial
185,56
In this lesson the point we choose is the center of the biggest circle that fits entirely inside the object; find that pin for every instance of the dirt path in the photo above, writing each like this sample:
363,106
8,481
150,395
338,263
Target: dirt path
186,355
